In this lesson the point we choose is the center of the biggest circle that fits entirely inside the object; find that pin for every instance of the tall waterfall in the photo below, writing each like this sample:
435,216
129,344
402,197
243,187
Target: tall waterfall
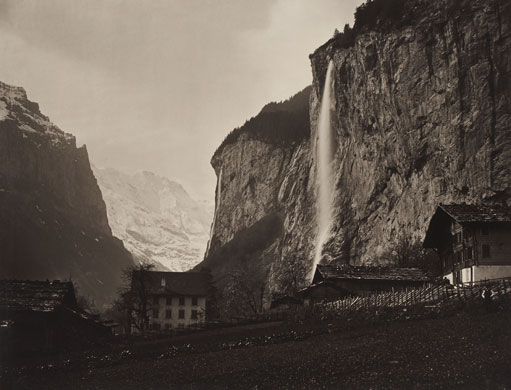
217,205
324,202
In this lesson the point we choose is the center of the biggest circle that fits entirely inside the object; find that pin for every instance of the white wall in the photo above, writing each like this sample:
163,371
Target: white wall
482,272
175,321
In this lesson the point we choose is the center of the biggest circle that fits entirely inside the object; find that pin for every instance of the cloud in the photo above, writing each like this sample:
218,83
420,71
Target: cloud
157,85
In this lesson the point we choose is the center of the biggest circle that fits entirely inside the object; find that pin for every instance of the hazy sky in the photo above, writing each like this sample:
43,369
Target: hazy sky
157,85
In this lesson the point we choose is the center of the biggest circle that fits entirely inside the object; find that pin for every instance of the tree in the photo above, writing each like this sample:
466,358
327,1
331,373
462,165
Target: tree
291,276
410,254
134,296
244,291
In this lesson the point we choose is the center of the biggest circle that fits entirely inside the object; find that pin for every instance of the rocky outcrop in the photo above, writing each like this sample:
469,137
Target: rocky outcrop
422,113
155,218
53,221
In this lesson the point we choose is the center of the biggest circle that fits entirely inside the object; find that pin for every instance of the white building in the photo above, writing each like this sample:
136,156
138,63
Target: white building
176,299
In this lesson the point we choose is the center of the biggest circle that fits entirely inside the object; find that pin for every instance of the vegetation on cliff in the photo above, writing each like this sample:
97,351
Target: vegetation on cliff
282,123
387,15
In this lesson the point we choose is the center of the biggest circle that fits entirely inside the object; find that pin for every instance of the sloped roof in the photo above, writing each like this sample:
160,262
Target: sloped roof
179,283
326,272
440,222
464,213
44,296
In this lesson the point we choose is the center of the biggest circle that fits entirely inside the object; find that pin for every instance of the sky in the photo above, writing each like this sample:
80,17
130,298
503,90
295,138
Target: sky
157,85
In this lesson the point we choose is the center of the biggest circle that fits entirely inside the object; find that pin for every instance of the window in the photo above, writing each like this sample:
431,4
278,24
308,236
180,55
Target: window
155,313
168,313
169,301
194,314
156,300
181,301
168,326
458,238
459,256
156,326
194,301
181,314
486,251
469,253
163,281
485,231
180,326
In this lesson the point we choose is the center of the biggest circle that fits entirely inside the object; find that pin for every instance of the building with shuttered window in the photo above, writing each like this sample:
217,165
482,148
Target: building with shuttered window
472,241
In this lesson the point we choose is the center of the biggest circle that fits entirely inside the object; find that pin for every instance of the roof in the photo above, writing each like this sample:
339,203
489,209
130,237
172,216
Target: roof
440,222
325,272
321,284
464,213
178,283
43,296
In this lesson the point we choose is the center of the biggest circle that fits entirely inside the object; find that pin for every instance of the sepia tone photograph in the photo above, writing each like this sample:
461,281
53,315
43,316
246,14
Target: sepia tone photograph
241,194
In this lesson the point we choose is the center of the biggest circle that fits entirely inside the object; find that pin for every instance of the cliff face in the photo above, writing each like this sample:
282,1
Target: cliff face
263,200
422,113
53,222
421,117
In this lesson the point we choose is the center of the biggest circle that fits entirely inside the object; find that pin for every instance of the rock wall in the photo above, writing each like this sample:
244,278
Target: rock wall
53,221
422,117
422,113
264,176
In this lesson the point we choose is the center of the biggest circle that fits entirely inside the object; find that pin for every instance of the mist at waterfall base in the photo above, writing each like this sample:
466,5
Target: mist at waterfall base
324,202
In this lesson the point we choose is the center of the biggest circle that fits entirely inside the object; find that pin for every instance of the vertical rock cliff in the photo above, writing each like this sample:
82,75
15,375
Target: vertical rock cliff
263,199
53,221
422,116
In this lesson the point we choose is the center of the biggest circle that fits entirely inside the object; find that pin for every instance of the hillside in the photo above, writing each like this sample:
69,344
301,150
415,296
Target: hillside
468,349
53,221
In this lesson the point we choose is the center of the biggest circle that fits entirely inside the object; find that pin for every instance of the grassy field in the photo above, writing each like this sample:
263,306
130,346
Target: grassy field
465,348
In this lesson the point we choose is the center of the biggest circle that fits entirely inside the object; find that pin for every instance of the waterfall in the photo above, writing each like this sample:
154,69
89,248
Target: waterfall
217,206
324,202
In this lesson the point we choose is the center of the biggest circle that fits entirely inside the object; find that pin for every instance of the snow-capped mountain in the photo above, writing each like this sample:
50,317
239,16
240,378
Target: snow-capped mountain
156,218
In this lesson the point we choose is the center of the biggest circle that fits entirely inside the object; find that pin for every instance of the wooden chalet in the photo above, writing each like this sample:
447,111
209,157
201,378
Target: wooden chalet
44,315
472,241
331,282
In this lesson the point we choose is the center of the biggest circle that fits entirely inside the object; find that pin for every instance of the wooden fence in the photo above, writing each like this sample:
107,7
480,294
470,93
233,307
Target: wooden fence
429,295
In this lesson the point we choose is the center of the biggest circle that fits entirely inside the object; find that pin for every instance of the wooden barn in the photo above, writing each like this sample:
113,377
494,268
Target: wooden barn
332,282
472,241
44,315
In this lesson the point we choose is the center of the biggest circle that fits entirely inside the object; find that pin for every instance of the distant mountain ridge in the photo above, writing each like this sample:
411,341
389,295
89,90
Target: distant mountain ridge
156,218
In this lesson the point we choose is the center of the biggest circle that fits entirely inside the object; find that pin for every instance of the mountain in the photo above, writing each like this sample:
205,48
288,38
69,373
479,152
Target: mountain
156,218
53,221
260,199
421,108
